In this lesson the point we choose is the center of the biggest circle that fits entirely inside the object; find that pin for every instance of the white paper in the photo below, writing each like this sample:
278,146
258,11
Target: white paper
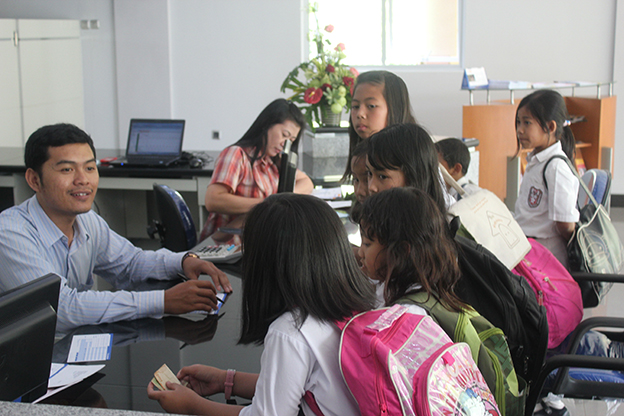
339,204
92,347
328,193
475,77
68,374
63,376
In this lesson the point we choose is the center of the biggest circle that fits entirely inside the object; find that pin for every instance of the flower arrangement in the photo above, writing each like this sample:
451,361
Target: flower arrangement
328,82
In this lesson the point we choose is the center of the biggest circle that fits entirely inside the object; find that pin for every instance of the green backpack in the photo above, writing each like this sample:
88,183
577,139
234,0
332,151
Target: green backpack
489,350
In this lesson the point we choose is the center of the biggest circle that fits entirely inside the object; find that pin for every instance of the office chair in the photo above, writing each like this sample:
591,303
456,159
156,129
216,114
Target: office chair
287,169
581,376
175,228
599,182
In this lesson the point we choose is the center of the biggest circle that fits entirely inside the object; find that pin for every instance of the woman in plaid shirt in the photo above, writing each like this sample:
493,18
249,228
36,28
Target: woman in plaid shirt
248,171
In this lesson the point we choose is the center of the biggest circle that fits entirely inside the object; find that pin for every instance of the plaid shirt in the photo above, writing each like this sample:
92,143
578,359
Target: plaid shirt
234,170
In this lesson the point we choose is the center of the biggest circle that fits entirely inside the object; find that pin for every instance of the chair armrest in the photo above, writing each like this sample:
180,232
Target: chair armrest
598,277
565,361
590,323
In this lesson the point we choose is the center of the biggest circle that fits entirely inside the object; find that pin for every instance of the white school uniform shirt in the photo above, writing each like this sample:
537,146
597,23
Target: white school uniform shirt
448,198
296,360
380,301
538,207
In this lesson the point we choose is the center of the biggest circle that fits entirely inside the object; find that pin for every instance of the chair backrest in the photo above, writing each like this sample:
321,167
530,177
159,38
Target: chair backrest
178,231
288,169
599,183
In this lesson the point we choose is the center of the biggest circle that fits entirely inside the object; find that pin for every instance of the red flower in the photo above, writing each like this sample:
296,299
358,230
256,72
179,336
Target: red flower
340,47
324,87
349,82
330,69
329,28
313,95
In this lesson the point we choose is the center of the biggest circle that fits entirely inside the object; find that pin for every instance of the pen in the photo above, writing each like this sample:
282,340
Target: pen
183,277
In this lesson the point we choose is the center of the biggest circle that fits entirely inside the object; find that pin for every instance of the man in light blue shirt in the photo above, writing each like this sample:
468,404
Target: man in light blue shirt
56,231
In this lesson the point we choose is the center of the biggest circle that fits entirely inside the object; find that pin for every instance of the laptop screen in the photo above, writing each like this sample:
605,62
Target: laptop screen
155,137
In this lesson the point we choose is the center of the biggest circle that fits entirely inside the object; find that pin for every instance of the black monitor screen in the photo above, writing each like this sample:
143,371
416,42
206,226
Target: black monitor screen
27,325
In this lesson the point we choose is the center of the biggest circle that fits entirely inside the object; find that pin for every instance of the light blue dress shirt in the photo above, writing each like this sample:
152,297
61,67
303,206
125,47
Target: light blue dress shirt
31,245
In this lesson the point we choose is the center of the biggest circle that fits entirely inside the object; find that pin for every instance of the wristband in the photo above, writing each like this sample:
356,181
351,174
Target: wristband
229,383
187,255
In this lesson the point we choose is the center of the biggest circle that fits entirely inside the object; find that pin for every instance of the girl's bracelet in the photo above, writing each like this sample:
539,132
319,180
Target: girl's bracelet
229,383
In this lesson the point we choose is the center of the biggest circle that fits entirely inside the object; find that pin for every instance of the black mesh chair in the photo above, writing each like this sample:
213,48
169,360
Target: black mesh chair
175,227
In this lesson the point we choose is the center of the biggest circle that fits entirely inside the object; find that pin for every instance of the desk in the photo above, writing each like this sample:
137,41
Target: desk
140,348
123,190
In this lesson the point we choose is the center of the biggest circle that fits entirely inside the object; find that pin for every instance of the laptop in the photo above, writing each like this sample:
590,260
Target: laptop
153,142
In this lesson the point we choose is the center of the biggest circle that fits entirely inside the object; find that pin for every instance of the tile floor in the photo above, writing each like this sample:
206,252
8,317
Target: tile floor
612,306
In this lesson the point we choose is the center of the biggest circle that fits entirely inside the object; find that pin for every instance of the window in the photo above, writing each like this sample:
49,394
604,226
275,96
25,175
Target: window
392,32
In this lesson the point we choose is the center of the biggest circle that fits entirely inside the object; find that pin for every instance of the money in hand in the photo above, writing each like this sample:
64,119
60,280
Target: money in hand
163,375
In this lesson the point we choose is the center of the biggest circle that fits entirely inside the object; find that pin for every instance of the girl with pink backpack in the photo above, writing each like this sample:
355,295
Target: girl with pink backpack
299,278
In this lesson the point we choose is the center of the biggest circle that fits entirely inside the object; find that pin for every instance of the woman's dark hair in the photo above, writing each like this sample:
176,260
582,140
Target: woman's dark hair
418,246
36,151
410,149
397,100
277,112
546,106
297,258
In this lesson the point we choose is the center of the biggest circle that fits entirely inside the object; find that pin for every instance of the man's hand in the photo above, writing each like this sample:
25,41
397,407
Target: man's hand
189,296
193,267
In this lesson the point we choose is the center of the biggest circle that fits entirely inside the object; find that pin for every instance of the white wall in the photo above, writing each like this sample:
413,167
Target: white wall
618,74
143,56
227,59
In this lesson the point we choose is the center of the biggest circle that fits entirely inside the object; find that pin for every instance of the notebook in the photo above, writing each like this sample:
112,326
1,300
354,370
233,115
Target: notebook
153,142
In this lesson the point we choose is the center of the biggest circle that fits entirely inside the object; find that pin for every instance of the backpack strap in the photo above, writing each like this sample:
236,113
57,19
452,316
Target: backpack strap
451,322
575,172
311,402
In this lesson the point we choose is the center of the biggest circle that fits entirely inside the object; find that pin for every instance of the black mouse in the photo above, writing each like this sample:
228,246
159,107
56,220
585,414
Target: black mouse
196,163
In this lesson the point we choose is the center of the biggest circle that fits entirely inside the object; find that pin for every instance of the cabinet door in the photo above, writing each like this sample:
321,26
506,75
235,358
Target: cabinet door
10,114
51,73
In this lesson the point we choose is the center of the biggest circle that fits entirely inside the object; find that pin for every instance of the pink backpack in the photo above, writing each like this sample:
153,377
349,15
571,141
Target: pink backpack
398,363
555,289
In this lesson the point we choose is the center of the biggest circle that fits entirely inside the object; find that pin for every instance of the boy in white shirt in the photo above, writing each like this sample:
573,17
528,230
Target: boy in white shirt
455,157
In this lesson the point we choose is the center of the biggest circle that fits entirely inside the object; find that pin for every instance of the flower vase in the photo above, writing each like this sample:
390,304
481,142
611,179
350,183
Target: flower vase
329,118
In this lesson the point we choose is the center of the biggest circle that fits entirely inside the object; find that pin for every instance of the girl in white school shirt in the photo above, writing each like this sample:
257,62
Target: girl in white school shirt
299,276
547,211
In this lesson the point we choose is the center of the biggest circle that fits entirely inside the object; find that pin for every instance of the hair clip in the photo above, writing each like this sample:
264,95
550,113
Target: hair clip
566,123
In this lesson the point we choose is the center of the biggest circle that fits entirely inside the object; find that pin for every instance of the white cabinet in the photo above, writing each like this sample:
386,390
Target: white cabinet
10,112
40,77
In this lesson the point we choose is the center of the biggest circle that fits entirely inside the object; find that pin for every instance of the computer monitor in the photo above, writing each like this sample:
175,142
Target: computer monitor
288,169
27,325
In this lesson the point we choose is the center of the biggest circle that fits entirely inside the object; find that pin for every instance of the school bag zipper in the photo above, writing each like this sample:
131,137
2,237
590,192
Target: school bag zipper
381,398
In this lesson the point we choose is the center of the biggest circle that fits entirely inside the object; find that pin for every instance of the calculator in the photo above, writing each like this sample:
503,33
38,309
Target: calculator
221,253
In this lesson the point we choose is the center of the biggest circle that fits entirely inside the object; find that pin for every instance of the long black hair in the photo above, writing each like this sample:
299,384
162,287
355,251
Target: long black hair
410,149
418,246
546,106
276,112
297,258
397,101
